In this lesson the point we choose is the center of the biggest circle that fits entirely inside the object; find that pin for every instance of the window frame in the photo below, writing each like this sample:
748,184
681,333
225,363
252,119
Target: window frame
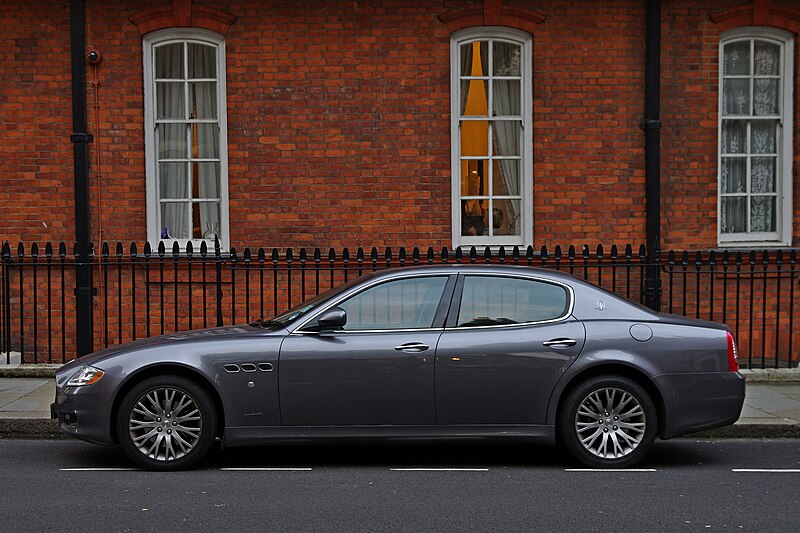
149,44
455,308
783,179
525,41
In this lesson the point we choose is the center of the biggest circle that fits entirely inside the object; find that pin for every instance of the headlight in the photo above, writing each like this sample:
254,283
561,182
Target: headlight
85,376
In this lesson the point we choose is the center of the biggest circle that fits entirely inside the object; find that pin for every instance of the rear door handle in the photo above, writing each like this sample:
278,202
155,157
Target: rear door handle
412,347
560,343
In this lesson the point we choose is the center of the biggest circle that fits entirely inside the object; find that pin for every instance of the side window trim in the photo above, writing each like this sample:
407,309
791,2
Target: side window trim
439,316
455,305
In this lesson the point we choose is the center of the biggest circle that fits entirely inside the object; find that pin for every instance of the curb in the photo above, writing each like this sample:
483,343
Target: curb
29,371
29,428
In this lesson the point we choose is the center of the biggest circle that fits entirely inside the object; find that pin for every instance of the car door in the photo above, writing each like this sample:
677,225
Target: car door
508,340
378,368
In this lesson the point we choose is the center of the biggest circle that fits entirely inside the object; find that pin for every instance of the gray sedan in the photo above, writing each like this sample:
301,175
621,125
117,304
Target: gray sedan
450,351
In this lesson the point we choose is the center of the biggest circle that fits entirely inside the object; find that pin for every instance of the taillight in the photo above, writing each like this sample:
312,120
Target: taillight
733,354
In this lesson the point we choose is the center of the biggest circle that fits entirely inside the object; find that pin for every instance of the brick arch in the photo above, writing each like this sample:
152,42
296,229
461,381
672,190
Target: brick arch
758,13
182,14
492,13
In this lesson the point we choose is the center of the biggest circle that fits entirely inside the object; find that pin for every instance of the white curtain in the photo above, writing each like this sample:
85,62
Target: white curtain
506,101
187,141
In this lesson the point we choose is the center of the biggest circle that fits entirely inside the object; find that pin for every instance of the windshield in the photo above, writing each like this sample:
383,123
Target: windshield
287,317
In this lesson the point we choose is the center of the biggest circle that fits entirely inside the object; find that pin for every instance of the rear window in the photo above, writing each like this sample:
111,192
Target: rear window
496,300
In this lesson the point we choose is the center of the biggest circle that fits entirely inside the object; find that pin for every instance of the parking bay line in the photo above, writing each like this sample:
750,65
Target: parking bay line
439,469
610,470
100,469
766,470
266,469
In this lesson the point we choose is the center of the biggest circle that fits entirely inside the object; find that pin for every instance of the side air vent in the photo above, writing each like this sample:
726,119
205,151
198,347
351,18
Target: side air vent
248,367
265,367
232,368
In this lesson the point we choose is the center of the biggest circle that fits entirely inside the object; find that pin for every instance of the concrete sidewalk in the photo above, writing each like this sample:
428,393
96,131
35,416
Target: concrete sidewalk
771,408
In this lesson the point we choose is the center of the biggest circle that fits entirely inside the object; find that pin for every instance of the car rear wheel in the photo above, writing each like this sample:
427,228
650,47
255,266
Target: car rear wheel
166,423
608,422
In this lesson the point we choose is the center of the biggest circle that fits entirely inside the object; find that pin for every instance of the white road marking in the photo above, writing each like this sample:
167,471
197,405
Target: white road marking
267,469
100,469
610,470
768,470
439,469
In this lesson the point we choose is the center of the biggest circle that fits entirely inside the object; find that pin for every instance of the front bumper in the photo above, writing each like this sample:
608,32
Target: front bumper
85,412
699,401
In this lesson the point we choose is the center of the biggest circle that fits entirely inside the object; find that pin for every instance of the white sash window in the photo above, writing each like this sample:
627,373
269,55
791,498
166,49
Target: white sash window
185,137
755,137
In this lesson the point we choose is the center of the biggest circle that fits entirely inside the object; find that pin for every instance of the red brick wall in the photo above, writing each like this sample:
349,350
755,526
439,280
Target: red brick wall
339,123
689,94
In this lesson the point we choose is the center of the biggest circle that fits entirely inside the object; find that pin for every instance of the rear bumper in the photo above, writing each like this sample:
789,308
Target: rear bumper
698,401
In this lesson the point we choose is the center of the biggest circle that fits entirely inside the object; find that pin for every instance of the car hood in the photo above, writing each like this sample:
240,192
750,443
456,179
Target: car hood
160,340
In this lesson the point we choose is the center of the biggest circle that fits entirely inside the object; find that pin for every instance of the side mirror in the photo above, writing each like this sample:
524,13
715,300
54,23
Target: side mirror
333,318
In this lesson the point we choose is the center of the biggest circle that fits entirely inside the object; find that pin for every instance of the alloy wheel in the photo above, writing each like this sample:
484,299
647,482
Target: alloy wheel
165,424
610,423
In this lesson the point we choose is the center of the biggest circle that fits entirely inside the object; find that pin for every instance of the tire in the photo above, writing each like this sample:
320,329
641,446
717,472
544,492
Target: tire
607,422
166,423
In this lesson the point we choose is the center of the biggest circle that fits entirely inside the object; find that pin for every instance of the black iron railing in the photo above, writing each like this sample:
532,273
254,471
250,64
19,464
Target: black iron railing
140,292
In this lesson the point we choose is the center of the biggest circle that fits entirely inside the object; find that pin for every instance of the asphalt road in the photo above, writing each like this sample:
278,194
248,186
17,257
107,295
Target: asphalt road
685,485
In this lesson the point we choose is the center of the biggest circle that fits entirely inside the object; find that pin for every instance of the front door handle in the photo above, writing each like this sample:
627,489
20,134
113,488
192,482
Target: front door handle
412,347
560,343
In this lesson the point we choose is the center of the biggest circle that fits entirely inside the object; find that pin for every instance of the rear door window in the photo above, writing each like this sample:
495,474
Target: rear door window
498,300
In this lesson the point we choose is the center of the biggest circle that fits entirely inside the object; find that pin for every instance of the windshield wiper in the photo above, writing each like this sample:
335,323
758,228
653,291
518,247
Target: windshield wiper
261,323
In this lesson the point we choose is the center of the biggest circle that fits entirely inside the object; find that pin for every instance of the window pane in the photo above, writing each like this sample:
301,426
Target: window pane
206,220
169,61
473,178
767,57
733,217
474,98
737,59
736,97
506,59
205,141
734,136
175,220
762,213
506,97
169,100
475,59
172,181
206,183
474,138
507,137
507,176
734,175
505,217
401,304
473,219
763,170
202,61
172,141
762,134
203,100
489,301
765,97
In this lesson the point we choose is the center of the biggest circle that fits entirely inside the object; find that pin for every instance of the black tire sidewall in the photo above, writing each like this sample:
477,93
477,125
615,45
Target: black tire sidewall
201,399
569,406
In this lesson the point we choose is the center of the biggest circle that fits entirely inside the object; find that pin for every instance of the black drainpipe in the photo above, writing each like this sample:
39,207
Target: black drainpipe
80,138
652,149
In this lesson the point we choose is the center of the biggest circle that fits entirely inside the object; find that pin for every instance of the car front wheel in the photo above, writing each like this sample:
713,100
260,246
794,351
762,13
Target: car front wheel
166,423
608,422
